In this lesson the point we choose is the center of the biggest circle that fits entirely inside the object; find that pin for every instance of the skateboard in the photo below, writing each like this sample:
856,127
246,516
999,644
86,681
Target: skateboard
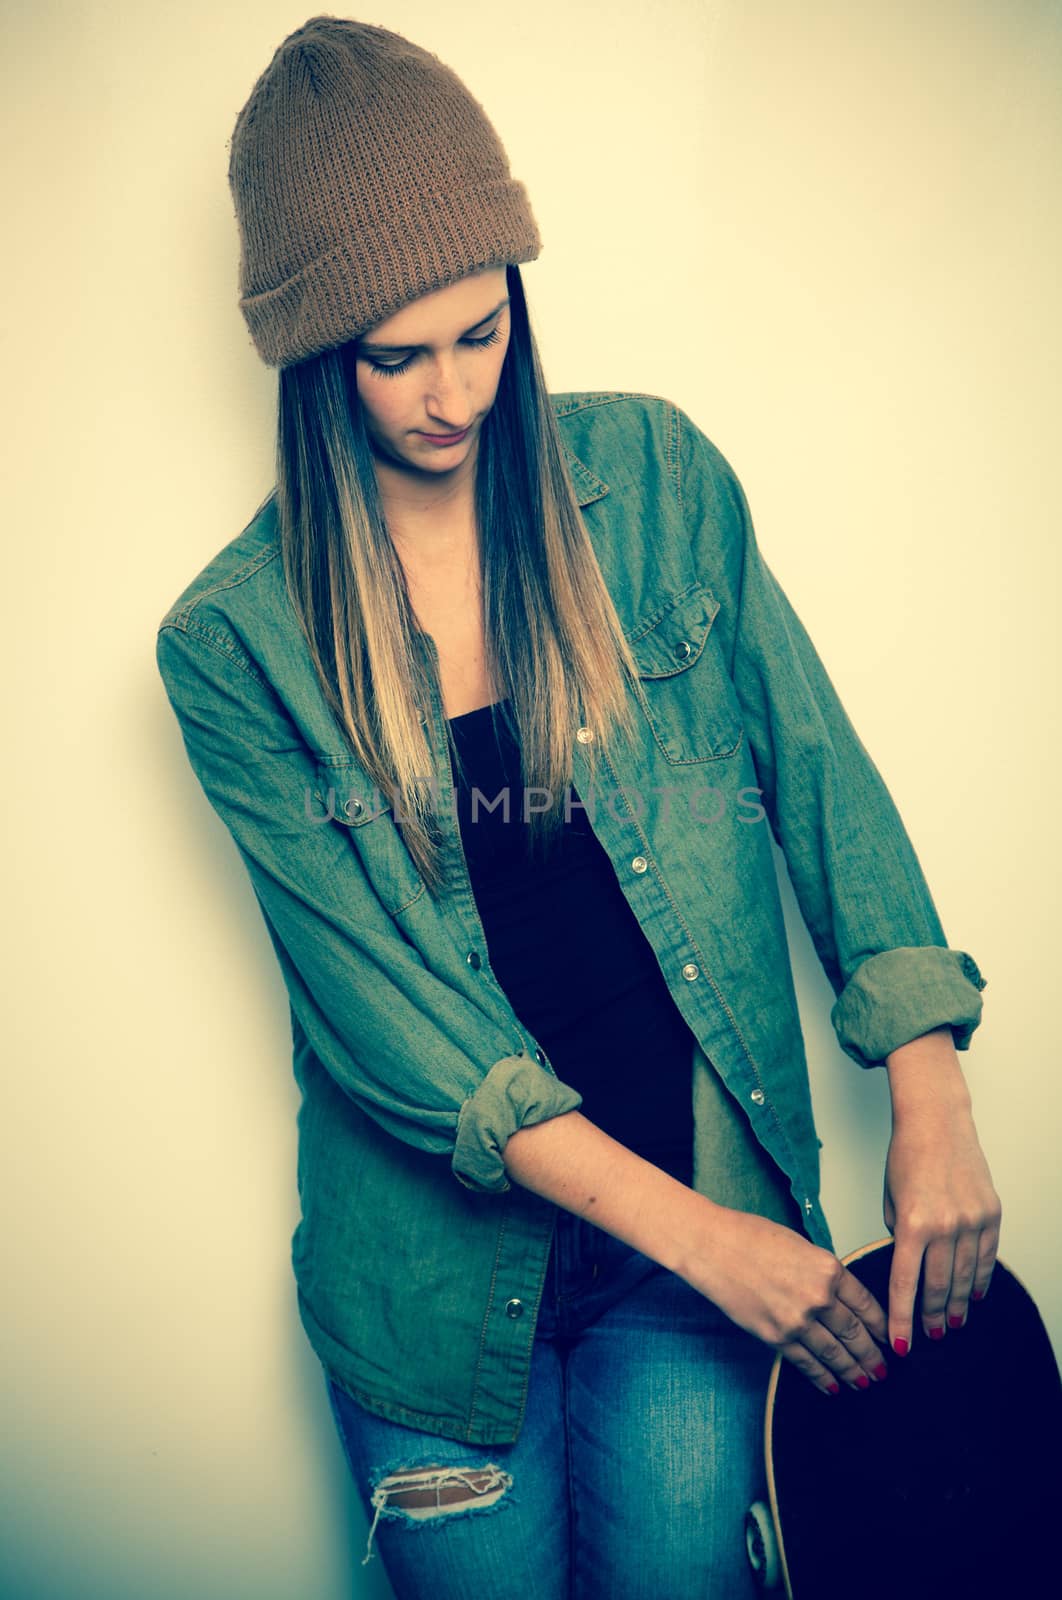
944,1479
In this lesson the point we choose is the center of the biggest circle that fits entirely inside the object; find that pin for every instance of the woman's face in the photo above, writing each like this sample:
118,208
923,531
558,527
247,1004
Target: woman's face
432,370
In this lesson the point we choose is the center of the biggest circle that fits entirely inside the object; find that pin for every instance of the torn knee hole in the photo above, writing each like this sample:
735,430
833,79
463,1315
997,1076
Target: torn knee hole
427,1493
432,1491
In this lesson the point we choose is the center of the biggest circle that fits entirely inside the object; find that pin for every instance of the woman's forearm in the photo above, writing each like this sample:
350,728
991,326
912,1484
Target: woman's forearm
926,1079
767,1278
570,1160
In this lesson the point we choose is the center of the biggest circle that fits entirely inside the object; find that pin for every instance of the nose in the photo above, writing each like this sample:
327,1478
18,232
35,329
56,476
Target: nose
446,399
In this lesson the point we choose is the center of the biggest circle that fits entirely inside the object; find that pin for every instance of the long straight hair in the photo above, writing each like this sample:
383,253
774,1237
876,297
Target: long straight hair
554,642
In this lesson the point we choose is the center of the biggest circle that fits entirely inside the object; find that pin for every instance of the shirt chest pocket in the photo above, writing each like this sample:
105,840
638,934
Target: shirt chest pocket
342,794
683,686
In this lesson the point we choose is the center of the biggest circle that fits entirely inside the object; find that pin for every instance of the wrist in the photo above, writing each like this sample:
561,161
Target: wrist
924,1074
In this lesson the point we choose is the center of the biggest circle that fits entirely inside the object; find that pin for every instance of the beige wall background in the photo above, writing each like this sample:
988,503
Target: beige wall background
831,233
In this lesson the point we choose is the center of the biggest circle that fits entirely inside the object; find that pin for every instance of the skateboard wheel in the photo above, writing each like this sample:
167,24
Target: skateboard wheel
762,1546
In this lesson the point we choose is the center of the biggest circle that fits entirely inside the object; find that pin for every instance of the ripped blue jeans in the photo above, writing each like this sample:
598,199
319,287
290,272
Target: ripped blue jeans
640,1450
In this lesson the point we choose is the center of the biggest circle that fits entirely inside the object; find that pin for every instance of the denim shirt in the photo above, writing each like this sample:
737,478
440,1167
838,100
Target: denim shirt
419,1266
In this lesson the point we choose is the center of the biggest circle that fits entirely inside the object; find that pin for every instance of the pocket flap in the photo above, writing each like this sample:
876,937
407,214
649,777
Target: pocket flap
343,789
675,638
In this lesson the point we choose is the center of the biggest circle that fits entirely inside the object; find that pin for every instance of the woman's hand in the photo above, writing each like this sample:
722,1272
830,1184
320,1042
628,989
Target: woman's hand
939,1200
791,1294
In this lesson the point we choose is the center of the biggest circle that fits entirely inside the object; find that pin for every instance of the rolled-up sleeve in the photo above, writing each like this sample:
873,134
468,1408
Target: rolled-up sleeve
898,995
412,1050
854,870
516,1093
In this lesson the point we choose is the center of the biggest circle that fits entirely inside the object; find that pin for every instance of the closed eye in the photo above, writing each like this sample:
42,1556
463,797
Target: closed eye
392,369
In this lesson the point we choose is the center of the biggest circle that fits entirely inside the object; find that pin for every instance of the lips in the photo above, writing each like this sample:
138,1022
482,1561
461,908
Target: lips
446,438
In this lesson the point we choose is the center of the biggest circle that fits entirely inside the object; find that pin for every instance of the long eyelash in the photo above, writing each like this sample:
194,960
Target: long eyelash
403,366
488,338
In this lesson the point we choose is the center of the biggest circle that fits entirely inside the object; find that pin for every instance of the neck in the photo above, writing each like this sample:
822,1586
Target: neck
437,548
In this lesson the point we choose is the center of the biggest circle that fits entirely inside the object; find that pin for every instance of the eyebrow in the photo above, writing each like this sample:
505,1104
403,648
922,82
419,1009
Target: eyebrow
394,349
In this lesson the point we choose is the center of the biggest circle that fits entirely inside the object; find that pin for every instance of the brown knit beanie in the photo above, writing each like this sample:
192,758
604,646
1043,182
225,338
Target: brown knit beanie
364,175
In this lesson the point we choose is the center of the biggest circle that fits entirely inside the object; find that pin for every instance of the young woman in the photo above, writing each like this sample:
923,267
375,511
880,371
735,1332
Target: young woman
502,706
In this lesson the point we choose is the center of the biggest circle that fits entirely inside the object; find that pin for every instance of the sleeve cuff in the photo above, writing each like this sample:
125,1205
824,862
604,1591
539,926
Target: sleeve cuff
898,995
516,1093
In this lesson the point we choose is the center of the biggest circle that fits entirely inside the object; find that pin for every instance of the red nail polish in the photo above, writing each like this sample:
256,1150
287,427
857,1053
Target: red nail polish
834,1388
936,1333
955,1322
881,1372
862,1382
900,1346
978,1294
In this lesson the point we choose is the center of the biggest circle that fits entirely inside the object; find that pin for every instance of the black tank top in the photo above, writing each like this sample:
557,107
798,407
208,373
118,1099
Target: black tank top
572,958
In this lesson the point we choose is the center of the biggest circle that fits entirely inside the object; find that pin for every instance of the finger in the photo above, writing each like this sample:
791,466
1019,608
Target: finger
903,1285
986,1260
805,1362
834,1353
850,1334
963,1268
858,1298
937,1269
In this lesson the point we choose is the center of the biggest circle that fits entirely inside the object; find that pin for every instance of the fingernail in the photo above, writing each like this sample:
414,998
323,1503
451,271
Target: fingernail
834,1388
936,1333
978,1294
900,1346
862,1382
881,1372
955,1322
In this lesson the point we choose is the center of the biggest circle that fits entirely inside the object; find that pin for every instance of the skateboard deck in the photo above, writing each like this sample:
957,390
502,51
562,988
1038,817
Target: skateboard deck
944,1479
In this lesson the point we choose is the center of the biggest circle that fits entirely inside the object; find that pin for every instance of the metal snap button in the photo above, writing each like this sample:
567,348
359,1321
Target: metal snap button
352,806
683,650
584,735
758,1097
473,960
691,971
808,1207
540,1057
639,864
514,1308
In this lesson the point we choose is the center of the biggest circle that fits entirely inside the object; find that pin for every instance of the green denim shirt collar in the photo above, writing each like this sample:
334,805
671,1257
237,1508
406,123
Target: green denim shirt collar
588,486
